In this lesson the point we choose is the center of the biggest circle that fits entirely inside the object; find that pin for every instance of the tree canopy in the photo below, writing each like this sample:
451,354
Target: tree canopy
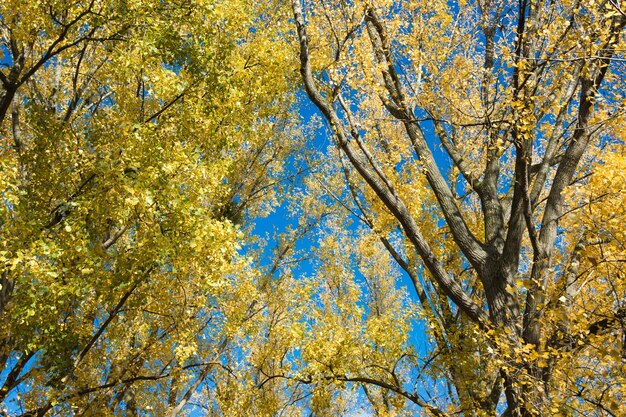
125,127
466,133
448,179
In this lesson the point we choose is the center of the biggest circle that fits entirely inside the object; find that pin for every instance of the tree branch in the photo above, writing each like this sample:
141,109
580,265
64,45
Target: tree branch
464,238
391,201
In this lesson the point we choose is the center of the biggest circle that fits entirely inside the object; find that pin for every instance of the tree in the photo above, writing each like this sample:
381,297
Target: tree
477,151
134,137
481,144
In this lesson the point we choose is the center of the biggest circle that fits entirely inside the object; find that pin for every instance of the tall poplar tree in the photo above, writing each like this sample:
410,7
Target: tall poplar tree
481,144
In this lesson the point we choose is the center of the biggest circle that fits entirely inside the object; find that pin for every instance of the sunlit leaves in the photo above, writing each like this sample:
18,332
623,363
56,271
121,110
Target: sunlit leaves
124,149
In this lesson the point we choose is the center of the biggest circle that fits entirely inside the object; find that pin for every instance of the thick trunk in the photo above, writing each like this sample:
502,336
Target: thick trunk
504,308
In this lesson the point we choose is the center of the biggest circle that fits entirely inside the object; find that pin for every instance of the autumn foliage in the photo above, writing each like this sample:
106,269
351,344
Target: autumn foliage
448,183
